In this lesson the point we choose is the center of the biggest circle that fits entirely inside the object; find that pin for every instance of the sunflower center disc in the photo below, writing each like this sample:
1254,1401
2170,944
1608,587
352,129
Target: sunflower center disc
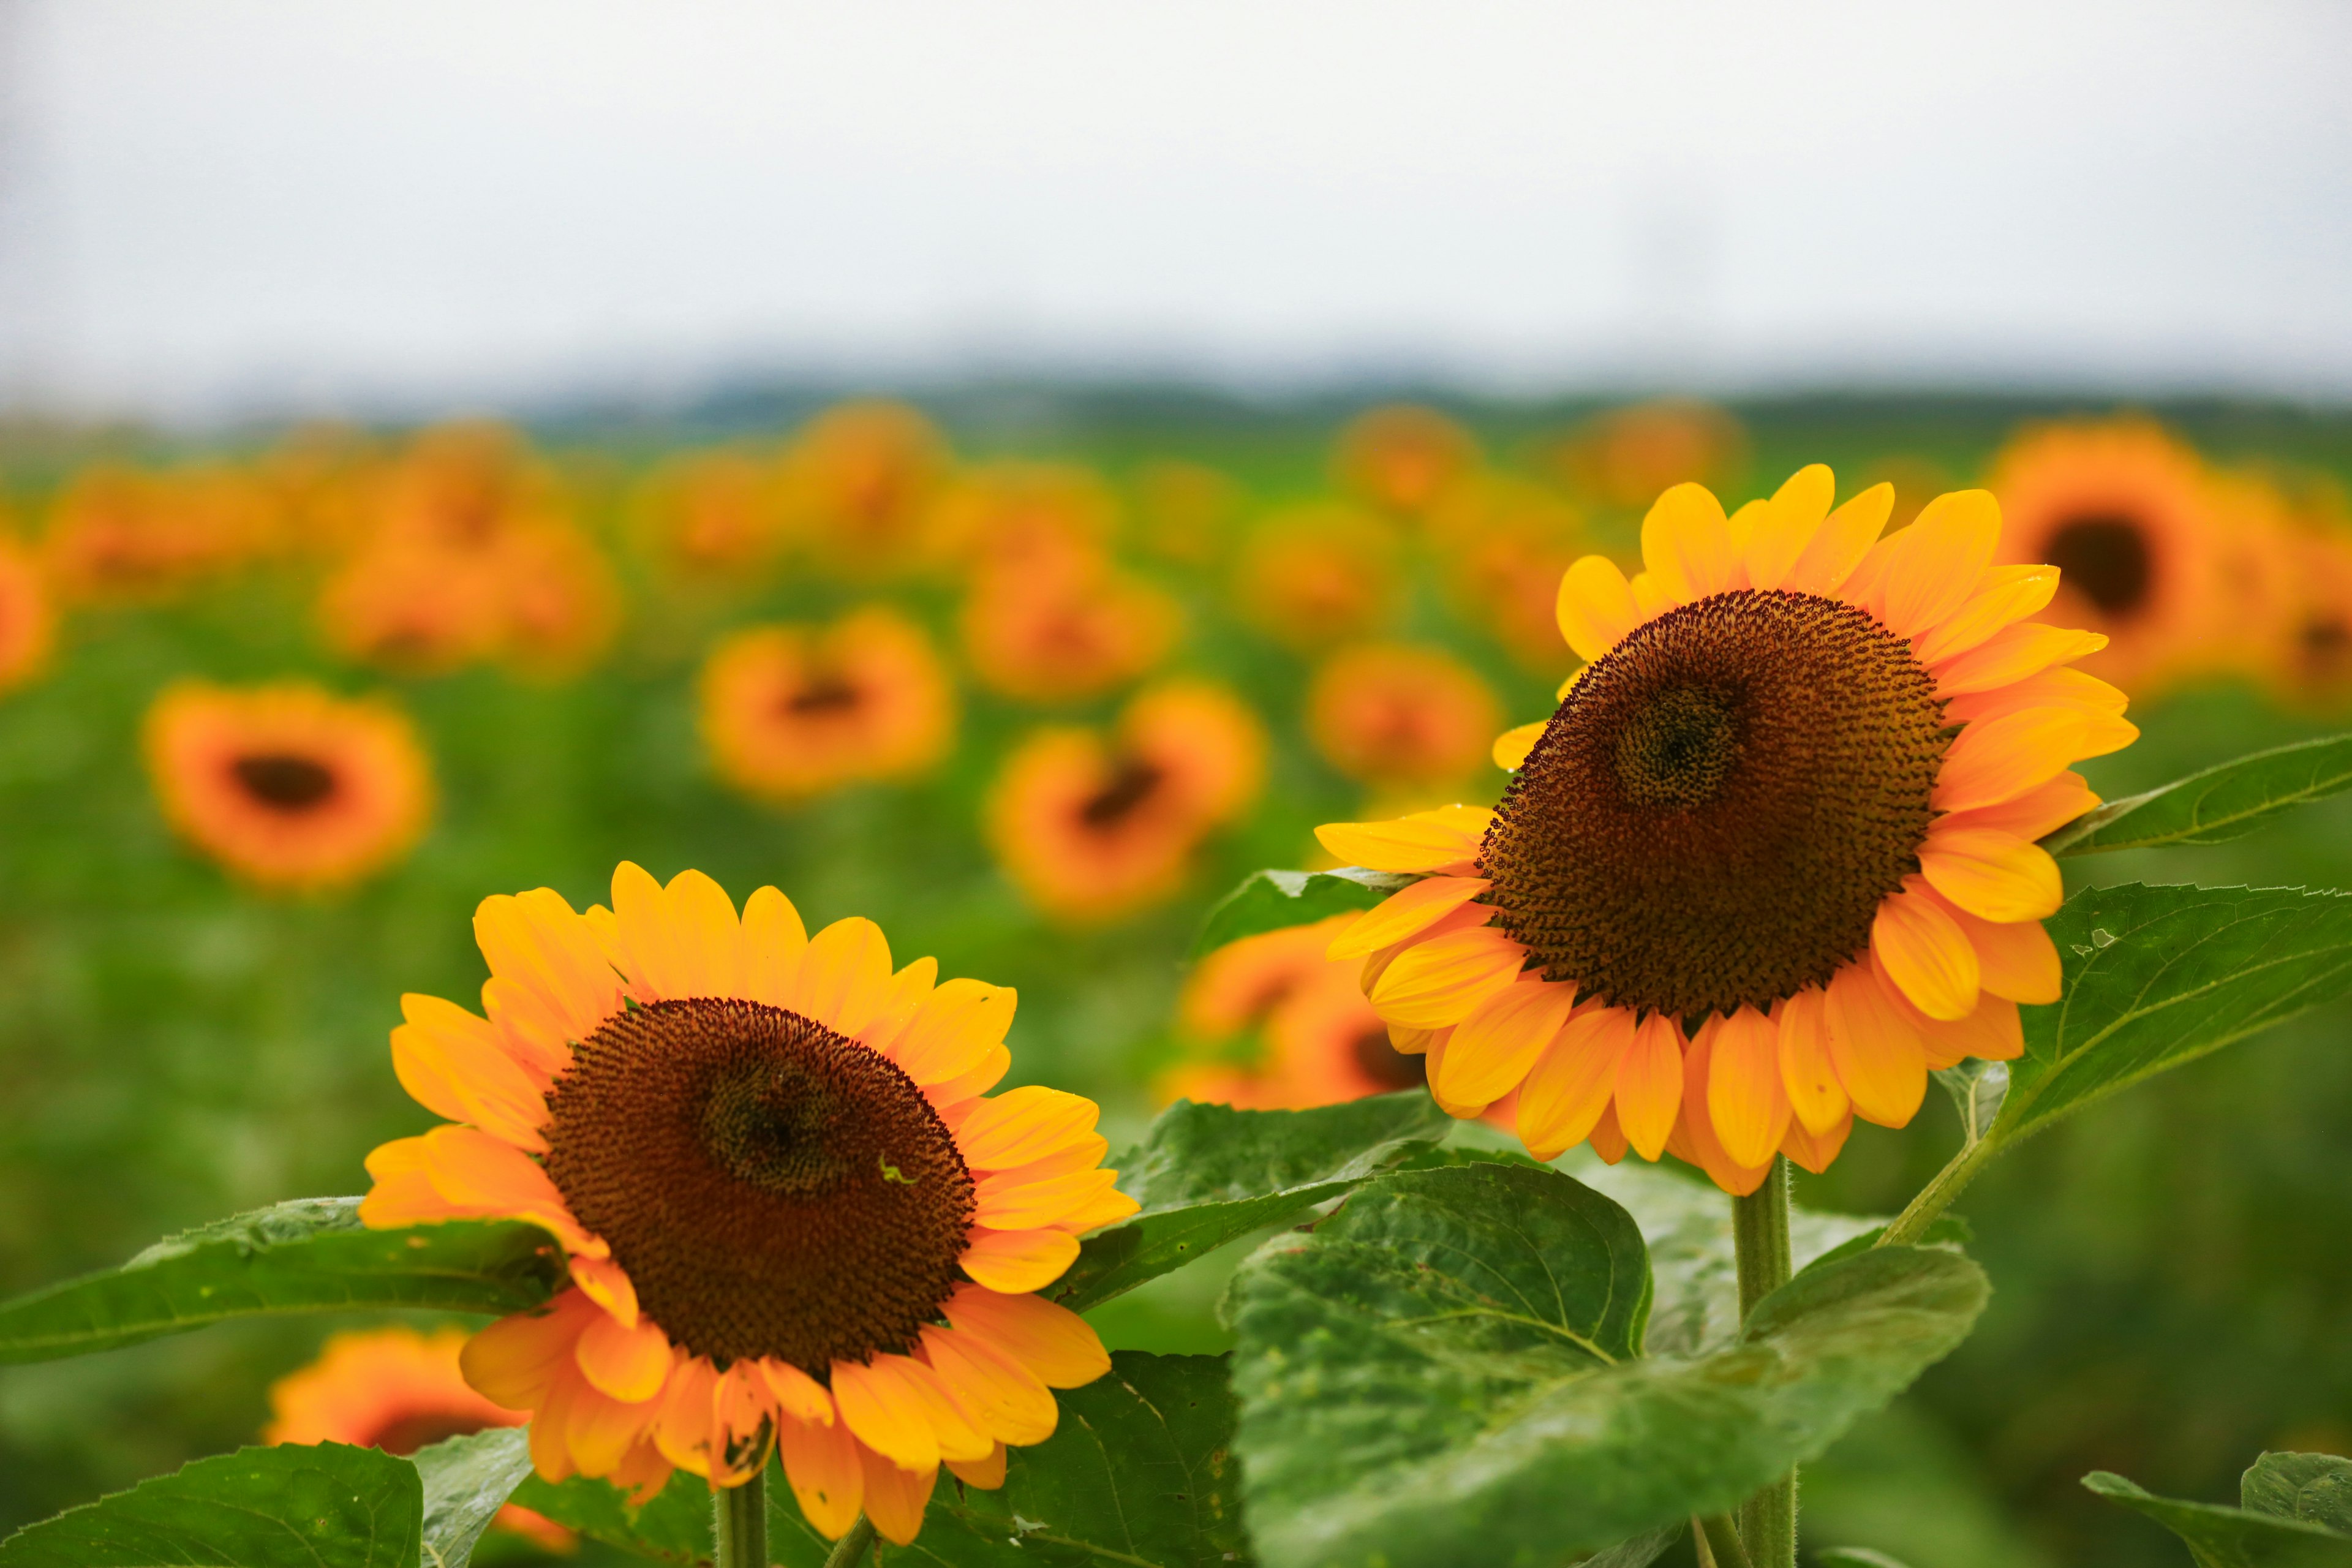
2105,559
772,1188
283,781
1714,813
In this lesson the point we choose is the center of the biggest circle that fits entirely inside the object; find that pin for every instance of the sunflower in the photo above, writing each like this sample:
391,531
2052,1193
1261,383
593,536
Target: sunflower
1186,511
1318,574
1400,717
1064,626
414,608
1505,542
790,711
28,623
125,535
859,481
1783,823
794,1223
1401,458
2156,554
1092,830
710,514
288,785
397,1390
1007,517
1320,1043
2312,663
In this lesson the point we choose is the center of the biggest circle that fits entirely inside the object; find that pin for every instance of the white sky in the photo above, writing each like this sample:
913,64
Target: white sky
280,203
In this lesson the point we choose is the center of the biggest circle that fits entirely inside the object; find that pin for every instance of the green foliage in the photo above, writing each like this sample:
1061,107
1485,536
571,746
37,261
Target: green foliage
1275,901
2295,1511
1208,1173
331,1506
308,1256
1453,1358
467,1482
674,1525
2224,802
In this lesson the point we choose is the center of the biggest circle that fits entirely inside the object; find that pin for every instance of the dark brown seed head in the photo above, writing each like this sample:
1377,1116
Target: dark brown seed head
772,1188
2105,559
284,781
1716,810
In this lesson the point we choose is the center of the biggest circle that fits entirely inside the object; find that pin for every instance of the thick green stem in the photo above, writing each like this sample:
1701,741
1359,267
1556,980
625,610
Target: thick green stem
1759,1234
1938,1194
853,1546
1719,1543
739,1523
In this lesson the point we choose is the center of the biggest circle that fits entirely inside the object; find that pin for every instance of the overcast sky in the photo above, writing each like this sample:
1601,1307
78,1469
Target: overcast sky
217,204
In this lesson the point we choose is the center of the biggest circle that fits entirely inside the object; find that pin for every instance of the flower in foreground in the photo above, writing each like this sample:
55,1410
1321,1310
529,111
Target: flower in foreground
288,785
1774,856
794,1219
398,1389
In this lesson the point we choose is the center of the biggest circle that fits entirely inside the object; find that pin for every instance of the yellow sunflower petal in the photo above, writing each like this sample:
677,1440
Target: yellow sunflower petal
658,956
1877,1054
1026,1124
953,1029
1445,840
1493,1048
1816,1097
551,1455
1926,954
1993,1032
774,943
994,1061
493,1179
600,1430
2000,759
844,975
1934,565
1650,1085
1687,543
909,988
2011,655
541,949
1445,979
822,1465
986,1474
517,1360
1695,1139
1406,913
2006,595
2086,694
1845,537
1596,606
709,936
886,1412
627,1363
1053,1341
2015,958
1787,524
1747,1105
1012,1261
1816,1151
2038,813
682,1428
1026,1205
796,1394
1570,1084
1011,1403
896,1498
1512,746
401,1193
455,1064
607,1284
1992,875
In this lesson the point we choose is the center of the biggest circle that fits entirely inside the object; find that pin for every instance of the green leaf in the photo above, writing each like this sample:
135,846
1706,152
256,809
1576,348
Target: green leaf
2157,976
674,1526
1856,1557
295,1506
1450,1359
1208,1173
308,1256
2313,1488
2221,802
2220,1537
1275,901
467,1482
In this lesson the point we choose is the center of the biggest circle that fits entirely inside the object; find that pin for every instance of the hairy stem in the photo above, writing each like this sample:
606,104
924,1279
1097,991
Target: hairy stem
738,1524
1718,1543
1938,1194
851,1546
1760,1234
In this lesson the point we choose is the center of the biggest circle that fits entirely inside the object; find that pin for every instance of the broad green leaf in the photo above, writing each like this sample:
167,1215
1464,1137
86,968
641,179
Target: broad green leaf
1275,901
2157,976
308,1256
2220,1537
2221,802
467,1482
1451,1358
296,1506
2313,1488
674,1526
1208,1173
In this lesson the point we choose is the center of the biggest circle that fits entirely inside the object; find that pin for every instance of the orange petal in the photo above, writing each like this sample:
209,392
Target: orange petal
1011,1404
551,1454
2005,595
774,943
1595,607
710,938
959,1431
1816,1098
1687,543
1026,1124
2011,655
796,1394
1747,1105
1650,1085
1815,1151
1109,1208
896,1498
2000,759
1512,746
1017,1260
828,1478
1442,980
953,1029
1845,537
1925,953
1994,1032
599,1431
538,947
1877,1055
1053,1341
2086,694
1696,1138
659,960
743,1420
1026,1205
886,1412
626,1363
1493,1048
607,1284
844,975
1608,1139
1445,840
1934,565
1406,913
455,1064
986,1474
2038,813
1788,523
1992,875
494,1180
1570,1085
2015,958
994,1063
516,1361
683,1425
908,990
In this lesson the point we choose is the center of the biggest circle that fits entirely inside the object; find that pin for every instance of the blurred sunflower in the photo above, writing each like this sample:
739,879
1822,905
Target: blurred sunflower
1504,543
1627,456
119,534
397,1390
1400,719
559,601
2153,553
1012,517
27,623
1319,1042
1749,883
2312,667
1092,830
790,711
1318,574
1401,458
858,483
1065,625
713,515
1187,511
288,785
794,1223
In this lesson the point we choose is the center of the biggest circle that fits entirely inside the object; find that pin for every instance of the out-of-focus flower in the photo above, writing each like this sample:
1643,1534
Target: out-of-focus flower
1401,718
1318,574
1064,626
1401,458
560,603
1186,511
790,711
1093,830
397,1390
1627,457
323,479
713,515
288,785
1318,1041
1916,480
119,534
860,480
27,623
1505,543
1020,516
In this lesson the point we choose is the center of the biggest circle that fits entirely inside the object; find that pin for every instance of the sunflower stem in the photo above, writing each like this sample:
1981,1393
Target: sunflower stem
740,1522
1937,1196
851,1546
1718,1543
1759,1234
